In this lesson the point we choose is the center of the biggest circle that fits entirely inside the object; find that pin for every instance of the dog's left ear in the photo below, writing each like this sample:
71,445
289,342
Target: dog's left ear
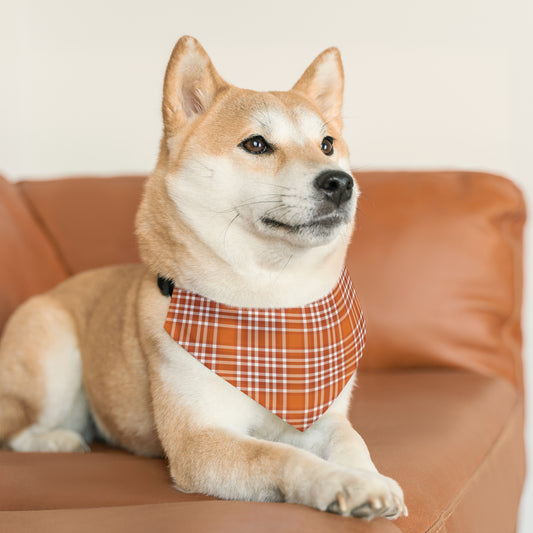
323,84
191,85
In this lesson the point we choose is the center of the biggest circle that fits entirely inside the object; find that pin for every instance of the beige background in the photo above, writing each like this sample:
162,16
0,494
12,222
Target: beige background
430,84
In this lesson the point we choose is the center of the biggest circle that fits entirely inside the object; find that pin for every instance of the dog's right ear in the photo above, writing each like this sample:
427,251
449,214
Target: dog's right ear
191,84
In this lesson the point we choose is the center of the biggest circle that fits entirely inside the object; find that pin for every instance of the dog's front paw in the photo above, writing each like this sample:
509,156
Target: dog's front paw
360,493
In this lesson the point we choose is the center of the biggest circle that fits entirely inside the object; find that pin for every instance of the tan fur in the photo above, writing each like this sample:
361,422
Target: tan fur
93,350
21,379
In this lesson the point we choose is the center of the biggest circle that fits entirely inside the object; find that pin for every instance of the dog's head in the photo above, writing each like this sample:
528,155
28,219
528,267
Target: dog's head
272,165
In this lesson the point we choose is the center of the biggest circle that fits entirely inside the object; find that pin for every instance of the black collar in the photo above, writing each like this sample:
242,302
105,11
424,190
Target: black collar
166,285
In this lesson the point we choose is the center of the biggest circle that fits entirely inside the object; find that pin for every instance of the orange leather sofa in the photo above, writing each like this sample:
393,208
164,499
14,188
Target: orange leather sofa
437,262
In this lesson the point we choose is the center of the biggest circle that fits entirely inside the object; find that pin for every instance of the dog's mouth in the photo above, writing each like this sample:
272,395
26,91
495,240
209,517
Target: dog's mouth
321,223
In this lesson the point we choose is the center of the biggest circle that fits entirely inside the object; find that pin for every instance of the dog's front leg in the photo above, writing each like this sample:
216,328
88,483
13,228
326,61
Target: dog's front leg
226,464
221,463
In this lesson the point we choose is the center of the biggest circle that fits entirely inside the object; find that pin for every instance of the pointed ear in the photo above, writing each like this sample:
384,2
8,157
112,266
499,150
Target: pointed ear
191,84
323,84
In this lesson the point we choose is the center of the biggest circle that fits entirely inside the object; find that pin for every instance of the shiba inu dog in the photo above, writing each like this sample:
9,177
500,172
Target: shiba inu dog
251,204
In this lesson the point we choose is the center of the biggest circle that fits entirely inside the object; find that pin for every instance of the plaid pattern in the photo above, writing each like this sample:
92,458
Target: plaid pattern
293,361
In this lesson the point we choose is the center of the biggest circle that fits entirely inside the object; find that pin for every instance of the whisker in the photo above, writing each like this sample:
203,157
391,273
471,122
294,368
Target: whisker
227,228
277,196
294,217
274,185
268,212
297,196
258,202
246,204
284,266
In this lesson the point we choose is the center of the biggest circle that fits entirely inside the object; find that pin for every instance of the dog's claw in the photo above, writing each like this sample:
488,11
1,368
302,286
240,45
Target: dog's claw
339,505
341,500
401,510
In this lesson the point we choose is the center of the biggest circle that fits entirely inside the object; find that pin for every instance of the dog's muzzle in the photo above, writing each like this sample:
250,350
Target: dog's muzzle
335,185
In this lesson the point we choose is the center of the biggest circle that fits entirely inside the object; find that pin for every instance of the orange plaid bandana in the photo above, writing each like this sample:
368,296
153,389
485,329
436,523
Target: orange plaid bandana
293,361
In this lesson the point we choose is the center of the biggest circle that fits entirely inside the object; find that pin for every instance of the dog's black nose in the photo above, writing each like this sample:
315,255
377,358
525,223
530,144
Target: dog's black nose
336,185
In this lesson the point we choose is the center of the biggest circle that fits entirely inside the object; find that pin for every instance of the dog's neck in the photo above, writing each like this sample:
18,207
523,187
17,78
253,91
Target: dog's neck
259,275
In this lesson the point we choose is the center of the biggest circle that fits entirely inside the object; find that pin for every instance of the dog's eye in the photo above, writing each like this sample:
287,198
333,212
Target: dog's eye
327,145
256,145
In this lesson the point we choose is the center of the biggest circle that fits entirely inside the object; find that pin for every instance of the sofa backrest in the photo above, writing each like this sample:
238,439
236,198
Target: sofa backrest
436,259
89,220
437,262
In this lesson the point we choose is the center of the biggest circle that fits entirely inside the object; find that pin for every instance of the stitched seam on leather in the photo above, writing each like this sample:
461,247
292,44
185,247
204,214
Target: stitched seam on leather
440,523
45,229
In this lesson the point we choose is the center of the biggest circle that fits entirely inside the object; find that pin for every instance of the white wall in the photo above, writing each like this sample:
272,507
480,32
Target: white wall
430,83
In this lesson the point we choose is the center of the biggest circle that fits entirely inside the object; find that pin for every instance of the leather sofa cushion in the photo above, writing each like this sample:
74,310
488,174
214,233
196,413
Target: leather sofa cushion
450,438
28,262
